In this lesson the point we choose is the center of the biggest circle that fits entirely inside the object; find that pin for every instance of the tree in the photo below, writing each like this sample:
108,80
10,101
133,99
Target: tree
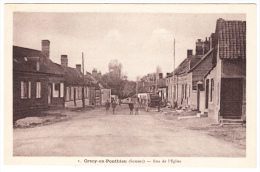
115,68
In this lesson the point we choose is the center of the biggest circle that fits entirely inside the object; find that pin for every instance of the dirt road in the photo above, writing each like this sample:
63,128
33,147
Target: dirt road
97,134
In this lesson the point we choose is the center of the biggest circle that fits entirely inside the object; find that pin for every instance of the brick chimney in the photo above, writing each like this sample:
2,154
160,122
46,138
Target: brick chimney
64,60
199,47
94,72
211,41
189,53
206,46
46,48
160,75
78,67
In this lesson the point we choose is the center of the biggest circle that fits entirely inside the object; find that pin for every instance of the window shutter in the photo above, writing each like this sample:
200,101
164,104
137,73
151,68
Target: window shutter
22,89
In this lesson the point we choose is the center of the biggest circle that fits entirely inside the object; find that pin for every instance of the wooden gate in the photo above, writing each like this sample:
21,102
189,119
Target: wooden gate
231,98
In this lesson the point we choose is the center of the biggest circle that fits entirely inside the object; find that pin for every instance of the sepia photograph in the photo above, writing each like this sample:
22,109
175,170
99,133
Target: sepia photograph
134,86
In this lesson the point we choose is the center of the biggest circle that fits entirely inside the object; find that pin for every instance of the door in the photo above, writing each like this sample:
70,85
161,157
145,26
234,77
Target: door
198,97
207,94
49,93
231,98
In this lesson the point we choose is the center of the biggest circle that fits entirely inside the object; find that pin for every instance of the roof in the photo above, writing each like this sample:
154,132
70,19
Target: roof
202,59
231,36
184,66
25,59
71,75
144,89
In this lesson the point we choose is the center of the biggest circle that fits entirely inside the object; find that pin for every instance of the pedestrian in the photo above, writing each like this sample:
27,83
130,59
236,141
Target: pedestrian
107,106
146,105
137,104
159,105
114,106
131,107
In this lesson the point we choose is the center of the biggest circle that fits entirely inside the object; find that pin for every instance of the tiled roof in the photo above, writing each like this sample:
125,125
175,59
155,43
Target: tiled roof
184,66
231,36
144,89
24,59
73,76
203,58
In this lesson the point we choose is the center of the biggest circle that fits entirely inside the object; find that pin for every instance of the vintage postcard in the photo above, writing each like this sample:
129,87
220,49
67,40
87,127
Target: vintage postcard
130,85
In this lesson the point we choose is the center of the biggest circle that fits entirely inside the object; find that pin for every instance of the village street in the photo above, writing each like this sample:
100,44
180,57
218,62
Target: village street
96,134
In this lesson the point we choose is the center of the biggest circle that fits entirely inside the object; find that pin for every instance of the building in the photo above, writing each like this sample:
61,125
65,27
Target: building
74,83
37,81
196,76
225,82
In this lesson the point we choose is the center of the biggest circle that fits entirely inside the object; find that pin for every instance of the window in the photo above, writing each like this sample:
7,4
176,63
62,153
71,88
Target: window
37,65
29,89
58,90
194,85
67,93
80,93
61,89
77,93
211,90
85,92
24,90
185,91
38,89
71,93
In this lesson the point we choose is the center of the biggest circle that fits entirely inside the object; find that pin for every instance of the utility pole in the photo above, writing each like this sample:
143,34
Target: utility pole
173,75
83,89
156,81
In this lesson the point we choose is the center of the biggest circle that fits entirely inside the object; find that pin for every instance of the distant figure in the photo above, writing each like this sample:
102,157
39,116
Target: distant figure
114,106
137,104
107,105
146,105
159,105
131,107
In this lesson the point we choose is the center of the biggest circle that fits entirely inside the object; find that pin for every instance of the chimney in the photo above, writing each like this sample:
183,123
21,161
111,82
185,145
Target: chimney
160,75
78,67
94,72
189,53
206,46
64,60
46,48
211,41
199,47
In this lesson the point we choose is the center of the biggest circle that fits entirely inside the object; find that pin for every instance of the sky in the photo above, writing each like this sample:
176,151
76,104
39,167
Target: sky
139,41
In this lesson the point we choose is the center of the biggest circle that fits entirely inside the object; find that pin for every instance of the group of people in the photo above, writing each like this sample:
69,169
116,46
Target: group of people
137,105
107,106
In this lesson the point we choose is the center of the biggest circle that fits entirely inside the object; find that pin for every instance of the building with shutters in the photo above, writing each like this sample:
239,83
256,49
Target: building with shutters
37,81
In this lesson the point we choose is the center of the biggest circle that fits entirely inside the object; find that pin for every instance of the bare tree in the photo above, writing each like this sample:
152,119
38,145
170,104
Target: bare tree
115,67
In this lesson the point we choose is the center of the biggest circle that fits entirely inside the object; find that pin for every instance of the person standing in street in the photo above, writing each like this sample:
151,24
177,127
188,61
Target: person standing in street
114,106
146,105
159,105
107,106
131,107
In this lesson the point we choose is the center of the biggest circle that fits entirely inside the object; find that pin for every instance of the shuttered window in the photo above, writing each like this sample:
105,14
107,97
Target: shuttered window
38,89
61,89
24,90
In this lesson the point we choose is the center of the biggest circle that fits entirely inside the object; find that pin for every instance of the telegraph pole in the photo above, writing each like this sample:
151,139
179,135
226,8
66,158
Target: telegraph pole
173,75
83,89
